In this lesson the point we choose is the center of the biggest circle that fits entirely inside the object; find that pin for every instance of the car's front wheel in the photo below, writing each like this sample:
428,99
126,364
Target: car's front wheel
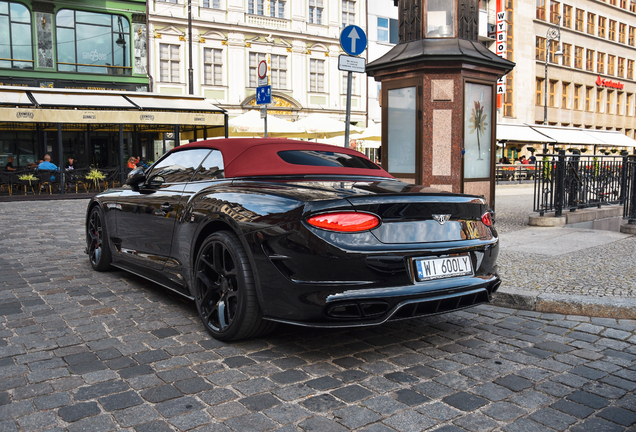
225,294
97,240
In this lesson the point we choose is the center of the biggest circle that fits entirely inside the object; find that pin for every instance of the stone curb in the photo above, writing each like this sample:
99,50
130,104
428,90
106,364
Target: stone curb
603,307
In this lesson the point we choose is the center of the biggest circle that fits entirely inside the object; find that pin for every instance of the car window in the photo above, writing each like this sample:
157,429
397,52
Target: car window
325,158
212,167
178,166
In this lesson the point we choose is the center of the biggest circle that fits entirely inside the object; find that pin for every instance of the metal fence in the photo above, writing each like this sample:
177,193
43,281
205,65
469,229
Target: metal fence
629,210
573,182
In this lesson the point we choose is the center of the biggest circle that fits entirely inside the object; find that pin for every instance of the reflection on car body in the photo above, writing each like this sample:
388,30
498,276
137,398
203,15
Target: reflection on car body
262,231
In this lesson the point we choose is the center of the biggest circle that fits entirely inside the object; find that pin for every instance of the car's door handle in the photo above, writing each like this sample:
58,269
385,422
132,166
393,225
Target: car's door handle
166,207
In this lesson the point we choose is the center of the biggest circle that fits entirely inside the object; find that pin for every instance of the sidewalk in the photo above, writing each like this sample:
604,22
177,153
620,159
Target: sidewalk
562,270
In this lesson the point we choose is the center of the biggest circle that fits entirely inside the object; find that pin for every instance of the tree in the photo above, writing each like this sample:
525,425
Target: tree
478,124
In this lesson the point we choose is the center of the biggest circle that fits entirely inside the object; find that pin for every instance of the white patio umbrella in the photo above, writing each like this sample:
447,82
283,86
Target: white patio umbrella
371,133
250,124
322,126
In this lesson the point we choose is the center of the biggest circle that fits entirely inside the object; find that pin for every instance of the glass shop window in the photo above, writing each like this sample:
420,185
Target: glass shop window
90,42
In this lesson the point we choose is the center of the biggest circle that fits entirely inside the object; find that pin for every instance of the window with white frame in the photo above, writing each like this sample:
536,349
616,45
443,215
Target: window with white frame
316,10
255,59
354,81
383,29
278,72
348,12
277,8
316,75
256,7
169,63
388,30
214,4
213,66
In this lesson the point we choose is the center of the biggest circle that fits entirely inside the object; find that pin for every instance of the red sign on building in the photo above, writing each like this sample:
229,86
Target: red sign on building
608,83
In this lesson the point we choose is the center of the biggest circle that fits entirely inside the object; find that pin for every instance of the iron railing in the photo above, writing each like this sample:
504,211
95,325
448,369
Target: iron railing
629,209
573,182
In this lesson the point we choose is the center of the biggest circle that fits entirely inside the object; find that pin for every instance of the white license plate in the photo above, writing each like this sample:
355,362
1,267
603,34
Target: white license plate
440,268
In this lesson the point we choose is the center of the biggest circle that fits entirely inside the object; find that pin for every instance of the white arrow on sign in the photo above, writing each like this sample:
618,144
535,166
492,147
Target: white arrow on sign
354,36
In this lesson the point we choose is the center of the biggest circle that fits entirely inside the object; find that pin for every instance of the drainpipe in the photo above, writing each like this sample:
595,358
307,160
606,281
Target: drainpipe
148,50
190,70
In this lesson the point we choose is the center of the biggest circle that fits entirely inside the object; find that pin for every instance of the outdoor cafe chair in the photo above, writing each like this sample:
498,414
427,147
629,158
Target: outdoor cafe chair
77,178
45,179
112,177
5,183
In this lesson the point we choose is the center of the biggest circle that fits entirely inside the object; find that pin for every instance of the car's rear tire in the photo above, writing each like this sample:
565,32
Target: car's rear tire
97,241
225,292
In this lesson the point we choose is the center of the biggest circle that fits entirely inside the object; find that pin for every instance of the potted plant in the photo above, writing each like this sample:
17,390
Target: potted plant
583,150
531,149
95,176
28,179
571,149
613,150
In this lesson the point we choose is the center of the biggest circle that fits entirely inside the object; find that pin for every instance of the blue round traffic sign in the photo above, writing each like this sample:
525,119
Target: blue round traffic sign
353,40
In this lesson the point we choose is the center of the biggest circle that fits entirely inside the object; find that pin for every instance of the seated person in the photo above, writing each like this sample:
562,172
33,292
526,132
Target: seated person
71,164
9,165
132,162
46,164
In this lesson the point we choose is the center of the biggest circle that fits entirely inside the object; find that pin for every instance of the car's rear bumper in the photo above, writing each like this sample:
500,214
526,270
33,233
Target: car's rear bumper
355,308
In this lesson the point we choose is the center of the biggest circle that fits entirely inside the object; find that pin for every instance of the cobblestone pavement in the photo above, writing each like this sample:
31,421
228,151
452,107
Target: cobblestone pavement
87,351
605,270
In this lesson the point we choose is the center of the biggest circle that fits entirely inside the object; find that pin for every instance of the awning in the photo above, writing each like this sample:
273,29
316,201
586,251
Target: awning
80,100
566,135
520,133
527,133
171,103
14,98
611,138
105,107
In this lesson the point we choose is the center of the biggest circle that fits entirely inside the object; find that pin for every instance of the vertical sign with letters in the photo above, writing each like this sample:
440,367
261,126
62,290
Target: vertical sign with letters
501,46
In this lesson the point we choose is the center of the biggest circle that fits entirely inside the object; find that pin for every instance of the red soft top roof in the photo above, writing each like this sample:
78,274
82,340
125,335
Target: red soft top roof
246,157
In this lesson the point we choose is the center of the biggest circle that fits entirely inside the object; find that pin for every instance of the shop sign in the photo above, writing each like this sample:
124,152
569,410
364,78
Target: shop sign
501,47
609,83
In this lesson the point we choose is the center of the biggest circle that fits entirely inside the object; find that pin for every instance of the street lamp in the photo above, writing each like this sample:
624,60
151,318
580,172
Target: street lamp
554,34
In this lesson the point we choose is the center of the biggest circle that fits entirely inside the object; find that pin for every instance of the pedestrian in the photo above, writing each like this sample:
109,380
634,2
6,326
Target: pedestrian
9,165
47,165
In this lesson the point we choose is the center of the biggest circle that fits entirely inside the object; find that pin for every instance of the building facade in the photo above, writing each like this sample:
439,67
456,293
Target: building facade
92,45
74,44
299,40
592,85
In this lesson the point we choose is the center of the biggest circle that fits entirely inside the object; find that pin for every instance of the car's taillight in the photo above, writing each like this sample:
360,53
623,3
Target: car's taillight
486,218
345,221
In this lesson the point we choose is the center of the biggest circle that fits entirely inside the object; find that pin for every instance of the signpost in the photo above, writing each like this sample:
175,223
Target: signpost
353,41
263,92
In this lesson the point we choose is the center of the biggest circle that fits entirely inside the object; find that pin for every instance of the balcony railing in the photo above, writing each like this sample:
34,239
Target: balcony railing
268,22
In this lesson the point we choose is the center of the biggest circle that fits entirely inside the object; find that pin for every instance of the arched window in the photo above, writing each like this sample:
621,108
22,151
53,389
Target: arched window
16,45
89,42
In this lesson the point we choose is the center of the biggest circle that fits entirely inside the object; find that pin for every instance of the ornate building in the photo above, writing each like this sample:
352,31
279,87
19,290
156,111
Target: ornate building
299,40
592,84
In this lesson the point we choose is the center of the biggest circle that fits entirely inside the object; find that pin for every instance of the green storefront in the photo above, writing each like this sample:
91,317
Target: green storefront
92,45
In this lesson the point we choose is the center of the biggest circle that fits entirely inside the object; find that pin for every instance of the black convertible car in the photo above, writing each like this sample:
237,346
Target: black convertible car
260,231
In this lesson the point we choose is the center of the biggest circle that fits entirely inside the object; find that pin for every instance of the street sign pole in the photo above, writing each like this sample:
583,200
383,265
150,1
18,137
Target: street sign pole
348,116
265,122
353,41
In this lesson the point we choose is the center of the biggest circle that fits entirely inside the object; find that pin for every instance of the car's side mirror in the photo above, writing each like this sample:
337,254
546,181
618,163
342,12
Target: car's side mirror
135,178
155,182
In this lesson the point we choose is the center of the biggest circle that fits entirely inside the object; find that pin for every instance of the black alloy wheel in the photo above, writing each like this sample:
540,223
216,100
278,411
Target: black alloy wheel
225,293
97,241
